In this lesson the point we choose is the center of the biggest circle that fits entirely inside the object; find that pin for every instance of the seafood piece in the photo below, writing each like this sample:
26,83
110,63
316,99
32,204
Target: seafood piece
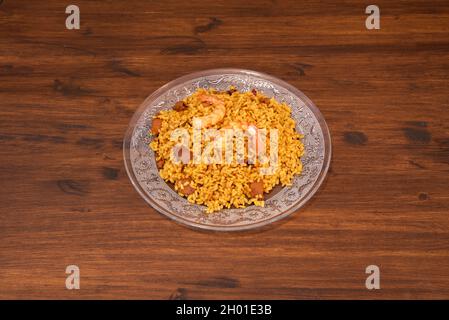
216,115
253,132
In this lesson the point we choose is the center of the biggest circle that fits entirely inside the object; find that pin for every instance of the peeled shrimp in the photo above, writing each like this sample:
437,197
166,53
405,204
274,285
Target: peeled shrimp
217,114
253,132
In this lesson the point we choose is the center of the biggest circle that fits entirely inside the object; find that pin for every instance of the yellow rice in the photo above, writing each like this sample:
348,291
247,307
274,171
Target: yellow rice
219,186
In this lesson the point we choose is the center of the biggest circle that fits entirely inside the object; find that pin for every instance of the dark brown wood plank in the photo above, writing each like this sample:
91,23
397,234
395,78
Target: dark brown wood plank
66,98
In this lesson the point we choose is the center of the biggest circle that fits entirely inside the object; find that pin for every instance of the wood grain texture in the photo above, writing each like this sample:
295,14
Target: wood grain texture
66,97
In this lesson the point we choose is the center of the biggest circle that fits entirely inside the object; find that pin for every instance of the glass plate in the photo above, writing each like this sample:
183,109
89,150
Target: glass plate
142,171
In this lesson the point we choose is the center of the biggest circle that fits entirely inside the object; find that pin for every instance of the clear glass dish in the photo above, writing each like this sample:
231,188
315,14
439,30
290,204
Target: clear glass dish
281,202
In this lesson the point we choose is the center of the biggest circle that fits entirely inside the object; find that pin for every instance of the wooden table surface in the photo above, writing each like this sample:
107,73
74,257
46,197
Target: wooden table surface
66,98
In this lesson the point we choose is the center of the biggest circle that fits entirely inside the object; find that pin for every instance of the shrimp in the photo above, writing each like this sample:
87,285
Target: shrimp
217,114
254,132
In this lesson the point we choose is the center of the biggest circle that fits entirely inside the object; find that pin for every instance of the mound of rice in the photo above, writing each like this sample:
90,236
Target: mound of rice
219,186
